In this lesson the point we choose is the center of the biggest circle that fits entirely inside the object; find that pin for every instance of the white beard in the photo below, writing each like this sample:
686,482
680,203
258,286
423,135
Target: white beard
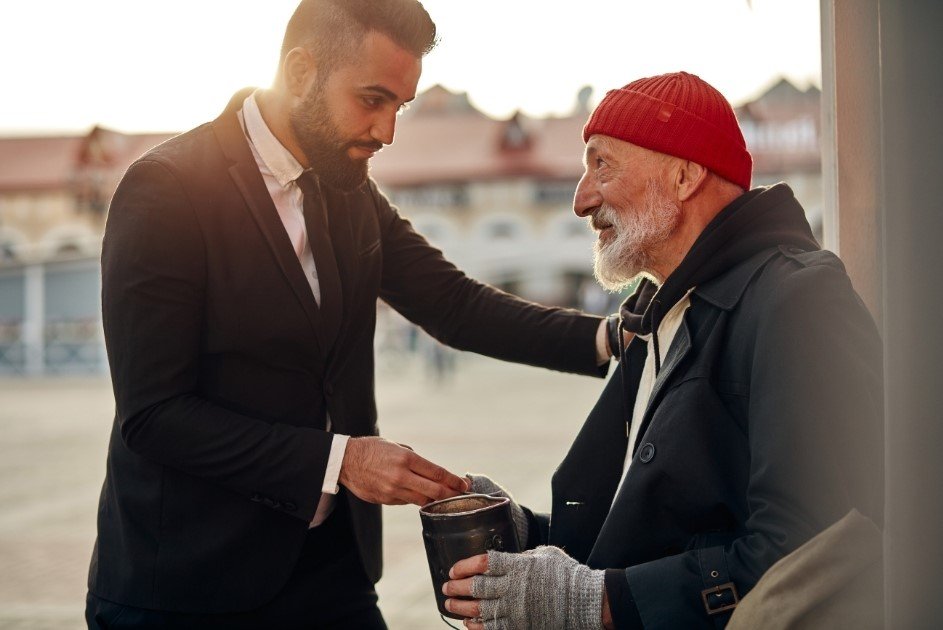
639,231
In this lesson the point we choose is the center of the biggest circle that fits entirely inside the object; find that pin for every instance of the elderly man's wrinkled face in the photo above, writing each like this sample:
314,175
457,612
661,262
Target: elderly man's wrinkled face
622,195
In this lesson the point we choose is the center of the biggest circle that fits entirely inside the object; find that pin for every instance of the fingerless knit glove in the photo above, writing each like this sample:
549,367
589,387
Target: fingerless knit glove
481,484
542,589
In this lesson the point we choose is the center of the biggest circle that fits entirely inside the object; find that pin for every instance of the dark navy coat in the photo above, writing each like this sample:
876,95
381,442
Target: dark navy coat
765,426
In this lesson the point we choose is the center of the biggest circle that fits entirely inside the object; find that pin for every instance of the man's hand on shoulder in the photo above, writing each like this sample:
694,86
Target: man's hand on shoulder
379,471
607,339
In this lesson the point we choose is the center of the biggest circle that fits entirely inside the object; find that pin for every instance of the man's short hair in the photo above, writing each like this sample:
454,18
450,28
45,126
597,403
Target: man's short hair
333,30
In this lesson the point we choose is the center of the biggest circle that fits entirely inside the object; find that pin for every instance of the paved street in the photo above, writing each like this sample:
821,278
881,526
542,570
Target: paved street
511,422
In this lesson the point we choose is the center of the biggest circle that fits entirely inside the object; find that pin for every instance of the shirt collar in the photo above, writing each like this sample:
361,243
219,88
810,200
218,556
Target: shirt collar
279,160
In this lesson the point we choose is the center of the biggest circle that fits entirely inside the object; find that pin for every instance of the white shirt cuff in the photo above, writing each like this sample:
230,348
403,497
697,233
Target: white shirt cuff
603,353
334,461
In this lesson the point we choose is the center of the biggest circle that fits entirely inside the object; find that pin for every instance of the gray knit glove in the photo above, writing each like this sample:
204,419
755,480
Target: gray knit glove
483,485
540,589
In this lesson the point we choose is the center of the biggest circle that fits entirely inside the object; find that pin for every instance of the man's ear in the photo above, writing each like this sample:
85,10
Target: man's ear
689,178
298,70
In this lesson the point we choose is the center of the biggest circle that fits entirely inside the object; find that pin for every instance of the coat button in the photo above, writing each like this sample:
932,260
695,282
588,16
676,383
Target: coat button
646,453
328,389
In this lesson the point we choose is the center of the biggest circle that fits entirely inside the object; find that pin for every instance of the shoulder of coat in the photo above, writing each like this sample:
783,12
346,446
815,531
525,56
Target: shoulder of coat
815,258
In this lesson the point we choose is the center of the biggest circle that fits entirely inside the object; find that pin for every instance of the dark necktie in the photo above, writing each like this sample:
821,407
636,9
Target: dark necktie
319,236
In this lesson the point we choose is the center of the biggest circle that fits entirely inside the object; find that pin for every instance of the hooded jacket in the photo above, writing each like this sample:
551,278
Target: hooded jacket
764,426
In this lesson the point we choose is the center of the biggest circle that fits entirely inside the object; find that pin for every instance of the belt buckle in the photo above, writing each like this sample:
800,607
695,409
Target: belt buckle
718,591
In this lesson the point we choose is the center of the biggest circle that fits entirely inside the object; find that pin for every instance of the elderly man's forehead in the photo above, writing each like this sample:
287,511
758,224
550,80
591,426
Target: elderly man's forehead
600,144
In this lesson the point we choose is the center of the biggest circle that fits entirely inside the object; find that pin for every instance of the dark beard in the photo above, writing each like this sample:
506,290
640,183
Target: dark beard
323,145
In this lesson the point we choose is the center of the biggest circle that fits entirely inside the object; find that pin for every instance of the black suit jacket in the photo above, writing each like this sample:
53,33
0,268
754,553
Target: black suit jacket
765,426
223,371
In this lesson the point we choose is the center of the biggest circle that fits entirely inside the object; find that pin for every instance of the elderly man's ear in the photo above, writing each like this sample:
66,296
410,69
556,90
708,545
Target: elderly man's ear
689,177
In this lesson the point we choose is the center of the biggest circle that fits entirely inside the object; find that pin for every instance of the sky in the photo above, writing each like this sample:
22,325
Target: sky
140,65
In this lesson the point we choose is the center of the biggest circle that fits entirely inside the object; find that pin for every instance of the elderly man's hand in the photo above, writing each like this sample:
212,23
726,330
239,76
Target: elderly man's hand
484,485
380,471
540,588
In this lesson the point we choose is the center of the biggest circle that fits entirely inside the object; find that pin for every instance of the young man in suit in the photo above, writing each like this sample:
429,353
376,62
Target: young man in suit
746,416
241,265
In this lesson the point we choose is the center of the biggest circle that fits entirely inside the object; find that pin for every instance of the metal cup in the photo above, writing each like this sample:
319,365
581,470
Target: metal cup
460,527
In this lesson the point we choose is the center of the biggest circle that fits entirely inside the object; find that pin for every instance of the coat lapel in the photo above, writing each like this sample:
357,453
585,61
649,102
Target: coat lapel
611,526
245,175
679,349
723,292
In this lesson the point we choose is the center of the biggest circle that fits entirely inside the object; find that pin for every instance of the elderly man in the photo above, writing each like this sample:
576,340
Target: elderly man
746,415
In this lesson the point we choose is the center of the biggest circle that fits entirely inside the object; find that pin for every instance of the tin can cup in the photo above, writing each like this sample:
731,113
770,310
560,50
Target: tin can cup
461,527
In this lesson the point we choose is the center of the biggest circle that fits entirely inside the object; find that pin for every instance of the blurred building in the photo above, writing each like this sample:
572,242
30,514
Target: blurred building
54,191
54,194
495,195
782,128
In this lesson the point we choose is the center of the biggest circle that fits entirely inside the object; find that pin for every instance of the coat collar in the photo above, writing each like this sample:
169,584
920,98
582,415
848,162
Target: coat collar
725,290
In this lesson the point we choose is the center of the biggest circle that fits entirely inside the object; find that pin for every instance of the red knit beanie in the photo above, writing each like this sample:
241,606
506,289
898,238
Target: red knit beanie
679,114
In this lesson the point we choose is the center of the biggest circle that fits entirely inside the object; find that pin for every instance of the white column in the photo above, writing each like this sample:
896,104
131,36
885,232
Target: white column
851,143
34,318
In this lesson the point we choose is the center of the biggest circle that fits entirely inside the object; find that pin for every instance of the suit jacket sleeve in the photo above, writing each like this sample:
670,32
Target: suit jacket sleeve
153,294
465,314
815,431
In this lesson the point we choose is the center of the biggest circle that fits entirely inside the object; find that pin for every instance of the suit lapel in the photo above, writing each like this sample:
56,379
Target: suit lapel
340,226
245,175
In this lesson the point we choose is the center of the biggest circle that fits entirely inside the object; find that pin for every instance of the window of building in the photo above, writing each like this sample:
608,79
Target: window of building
68,250
502,230
7,251
554,192
439,196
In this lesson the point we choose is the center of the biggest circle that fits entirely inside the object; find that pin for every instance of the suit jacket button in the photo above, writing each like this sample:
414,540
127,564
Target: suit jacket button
329,389
289,506
646,453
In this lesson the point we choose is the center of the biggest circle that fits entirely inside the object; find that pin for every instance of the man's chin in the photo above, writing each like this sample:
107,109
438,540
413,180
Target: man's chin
610,279
613,275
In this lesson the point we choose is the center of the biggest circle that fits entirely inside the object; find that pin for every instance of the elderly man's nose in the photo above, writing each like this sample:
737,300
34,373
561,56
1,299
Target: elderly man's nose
586,199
